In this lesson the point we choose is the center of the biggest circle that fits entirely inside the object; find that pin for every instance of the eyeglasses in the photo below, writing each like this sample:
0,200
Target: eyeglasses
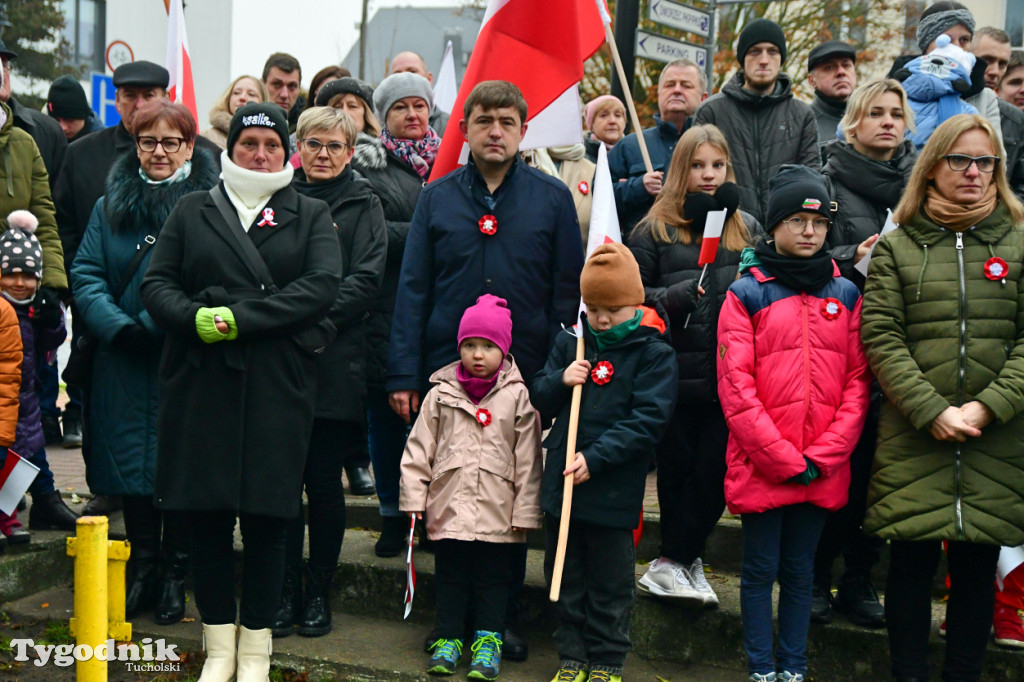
961,162
313,146
797,225
170,144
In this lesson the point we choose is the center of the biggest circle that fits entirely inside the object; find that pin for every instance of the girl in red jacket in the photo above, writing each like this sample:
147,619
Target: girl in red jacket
793,382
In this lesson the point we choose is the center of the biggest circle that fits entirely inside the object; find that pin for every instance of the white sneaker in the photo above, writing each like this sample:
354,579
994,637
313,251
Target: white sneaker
666,578
700,583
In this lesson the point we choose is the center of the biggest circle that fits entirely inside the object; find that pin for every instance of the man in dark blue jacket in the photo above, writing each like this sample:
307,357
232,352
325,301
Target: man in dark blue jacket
682,86
494,226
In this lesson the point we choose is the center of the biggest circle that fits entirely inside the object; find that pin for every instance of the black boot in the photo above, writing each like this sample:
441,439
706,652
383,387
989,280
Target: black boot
315,620
49,512
170,604
140,592
394,536
290,606
359,481
72,423
856,597
102,505
821,604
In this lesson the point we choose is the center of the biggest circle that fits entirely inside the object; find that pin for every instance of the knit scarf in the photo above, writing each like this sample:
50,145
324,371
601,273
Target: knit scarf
475,387
799,274
610,337
958,217
419,154
250,191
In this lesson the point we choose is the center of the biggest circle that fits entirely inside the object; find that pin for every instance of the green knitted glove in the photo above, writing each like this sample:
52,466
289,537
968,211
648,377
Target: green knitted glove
810,473
206,328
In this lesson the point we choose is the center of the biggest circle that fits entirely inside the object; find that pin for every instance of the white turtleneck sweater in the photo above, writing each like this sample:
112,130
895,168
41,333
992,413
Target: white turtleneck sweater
250,191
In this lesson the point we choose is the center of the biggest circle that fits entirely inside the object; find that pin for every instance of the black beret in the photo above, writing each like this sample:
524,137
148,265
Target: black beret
830,49
344,86
4,52
141,74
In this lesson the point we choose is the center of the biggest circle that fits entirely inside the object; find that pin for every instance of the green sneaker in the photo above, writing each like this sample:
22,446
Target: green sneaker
447,653
486,656
605,673
571,671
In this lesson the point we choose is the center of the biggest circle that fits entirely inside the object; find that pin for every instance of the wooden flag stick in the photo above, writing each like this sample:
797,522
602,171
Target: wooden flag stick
570,457
627,91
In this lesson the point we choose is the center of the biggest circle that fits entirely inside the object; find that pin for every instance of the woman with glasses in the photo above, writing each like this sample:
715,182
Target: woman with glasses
397,164
325,137
793,381
141,191
943,328
241,280
866,169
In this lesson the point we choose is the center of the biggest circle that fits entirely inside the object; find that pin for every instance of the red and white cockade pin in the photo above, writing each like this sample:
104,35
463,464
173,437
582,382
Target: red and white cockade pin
995,269
830,308
483,417
268,218
602,373
583,187
488,225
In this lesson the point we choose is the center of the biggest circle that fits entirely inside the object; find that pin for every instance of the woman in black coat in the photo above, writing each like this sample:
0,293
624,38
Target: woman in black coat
691,457
403,102
325,137
240,281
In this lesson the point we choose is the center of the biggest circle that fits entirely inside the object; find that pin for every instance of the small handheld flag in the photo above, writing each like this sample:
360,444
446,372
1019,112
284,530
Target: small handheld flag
16,476
712,235
410,573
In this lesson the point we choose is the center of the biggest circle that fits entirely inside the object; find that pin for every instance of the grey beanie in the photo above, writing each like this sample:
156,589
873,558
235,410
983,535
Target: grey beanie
398,86
934,25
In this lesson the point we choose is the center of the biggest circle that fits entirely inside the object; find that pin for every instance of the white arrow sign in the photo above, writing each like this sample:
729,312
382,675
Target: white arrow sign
662,49
679,16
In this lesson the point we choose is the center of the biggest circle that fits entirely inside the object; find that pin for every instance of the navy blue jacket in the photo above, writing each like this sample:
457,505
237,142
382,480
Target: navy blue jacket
625,162
620,422
533,261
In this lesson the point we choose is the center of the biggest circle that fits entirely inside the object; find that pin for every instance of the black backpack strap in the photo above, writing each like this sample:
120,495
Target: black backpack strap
253,260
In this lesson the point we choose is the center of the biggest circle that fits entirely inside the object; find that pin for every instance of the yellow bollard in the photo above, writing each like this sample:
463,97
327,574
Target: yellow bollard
89,548
118,552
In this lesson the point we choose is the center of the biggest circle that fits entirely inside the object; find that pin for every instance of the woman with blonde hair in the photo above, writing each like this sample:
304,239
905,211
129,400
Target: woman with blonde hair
866,169
242,90
691,457
943,329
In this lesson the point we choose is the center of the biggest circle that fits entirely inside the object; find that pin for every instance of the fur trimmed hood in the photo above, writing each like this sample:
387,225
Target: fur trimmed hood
370,153
131,204
220,118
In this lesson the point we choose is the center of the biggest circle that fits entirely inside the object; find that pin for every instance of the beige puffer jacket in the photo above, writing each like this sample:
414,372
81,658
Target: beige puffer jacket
475,481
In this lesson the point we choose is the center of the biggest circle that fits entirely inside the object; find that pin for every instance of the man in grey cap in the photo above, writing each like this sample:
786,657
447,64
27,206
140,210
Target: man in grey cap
83,180
831,71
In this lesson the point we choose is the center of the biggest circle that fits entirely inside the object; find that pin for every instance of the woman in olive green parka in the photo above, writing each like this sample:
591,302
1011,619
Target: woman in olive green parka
24,184
943,328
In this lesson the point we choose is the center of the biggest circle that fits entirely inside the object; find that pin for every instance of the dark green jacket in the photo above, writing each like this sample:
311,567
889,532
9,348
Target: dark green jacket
938,332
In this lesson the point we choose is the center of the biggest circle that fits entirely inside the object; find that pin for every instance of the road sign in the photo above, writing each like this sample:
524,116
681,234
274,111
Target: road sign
103,91
663,49
680,16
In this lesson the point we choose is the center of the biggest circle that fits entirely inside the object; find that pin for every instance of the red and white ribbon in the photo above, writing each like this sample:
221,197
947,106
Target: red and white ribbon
268,218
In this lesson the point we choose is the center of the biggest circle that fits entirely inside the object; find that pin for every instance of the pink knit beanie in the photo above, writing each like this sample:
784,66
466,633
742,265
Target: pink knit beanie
590,111
488,319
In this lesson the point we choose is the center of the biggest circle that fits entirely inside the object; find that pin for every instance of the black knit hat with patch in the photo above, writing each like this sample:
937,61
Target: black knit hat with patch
258,115
796,189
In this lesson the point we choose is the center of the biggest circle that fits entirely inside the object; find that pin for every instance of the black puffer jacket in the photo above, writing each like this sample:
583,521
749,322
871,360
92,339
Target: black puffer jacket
862,189
763,134
670,273
359,221
1011,120
398,187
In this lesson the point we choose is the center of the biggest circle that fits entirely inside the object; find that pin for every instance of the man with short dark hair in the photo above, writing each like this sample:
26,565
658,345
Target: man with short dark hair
766,127
831,71
993,46
412,62
283,77
494,226
682,86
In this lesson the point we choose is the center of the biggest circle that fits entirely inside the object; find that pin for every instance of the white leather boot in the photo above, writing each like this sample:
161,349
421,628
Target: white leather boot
219,642
253,655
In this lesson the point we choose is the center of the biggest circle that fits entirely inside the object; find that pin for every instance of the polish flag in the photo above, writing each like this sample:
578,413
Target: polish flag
604,219
16,476
410,572
712,235
540,46
182,89
446,87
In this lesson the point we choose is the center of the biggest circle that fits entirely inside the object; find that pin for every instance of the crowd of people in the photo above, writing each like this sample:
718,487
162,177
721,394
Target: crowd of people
283,297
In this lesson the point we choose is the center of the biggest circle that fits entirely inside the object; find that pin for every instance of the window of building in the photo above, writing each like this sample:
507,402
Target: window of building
1014,24
85,30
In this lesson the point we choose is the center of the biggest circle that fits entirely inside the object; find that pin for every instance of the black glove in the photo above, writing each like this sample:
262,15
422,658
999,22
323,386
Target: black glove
728,197
132,339
45,311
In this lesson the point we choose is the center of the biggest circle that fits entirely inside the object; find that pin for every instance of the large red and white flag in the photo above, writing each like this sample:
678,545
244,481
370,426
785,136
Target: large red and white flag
604,220
16,476
179,64
713,226
540,46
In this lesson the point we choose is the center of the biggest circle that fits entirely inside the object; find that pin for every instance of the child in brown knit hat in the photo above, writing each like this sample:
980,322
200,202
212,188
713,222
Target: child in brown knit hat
629,392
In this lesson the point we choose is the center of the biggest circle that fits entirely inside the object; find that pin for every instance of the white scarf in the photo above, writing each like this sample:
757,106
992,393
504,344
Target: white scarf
250,191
